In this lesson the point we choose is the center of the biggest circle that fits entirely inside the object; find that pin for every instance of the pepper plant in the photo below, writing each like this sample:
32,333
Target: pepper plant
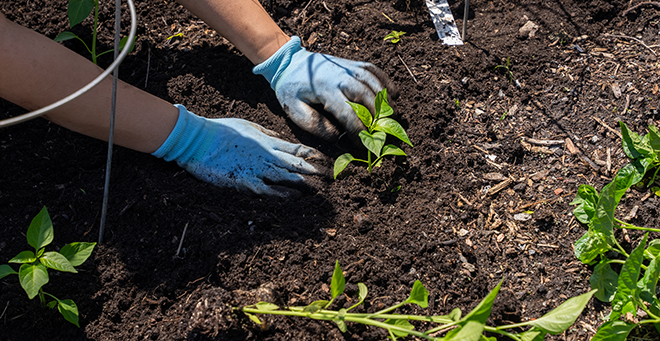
395,36
634,287
33,273
451,327
77,11
378,126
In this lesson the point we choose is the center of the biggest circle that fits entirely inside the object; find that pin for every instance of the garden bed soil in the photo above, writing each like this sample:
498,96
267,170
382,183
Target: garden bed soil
429,216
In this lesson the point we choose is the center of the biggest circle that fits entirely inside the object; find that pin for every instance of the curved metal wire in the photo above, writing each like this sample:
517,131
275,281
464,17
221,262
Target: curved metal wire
34,114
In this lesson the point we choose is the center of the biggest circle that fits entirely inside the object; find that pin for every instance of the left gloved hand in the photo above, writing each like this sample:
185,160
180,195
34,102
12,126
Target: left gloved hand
301,78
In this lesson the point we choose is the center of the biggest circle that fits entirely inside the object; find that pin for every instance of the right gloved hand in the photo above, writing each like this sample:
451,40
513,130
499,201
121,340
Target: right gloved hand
232,152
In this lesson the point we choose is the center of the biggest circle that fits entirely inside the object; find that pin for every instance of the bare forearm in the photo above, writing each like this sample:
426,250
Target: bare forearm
243,22
36,71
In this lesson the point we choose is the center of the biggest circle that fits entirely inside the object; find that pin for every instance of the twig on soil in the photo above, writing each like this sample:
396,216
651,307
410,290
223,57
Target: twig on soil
502,185
3,312
463,198
146,79
608,161
410,72
649,3
181,241
302,13
625,109
575,151
632,38
606,126
544,142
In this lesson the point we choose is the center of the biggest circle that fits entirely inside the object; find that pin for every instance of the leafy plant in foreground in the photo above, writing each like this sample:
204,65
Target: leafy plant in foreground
77,11
634,287
378,125
33,273
506,68
454,326
395,36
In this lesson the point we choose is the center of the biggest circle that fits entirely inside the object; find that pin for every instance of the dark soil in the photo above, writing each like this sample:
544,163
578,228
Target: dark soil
442,227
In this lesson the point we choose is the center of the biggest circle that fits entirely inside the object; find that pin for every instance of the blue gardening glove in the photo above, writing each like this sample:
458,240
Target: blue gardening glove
301,78
232,152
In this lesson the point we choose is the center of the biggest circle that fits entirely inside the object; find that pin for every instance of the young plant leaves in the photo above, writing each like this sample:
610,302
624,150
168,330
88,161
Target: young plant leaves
363,113
338,281
266,306
66,35
654,140
653,250
373,142
392,127
562,317
79,10
590,245
6,270
453,316
342,162
77,253
32,278
391,149
627,293
24,257
613,331
649,282
383,108
55,260
339,320
634,146
40,232
69,310
419,295
316,306
401,324
605,280
586,199
473,323
533,335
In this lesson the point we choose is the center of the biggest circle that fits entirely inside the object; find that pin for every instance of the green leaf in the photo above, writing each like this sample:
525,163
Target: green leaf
79,10
253,318
590,245
401,324
32,278
392,127
77,253
40,232
627,293
340,324
649,282
653,250
654,140
634,146
391,149
602,225
532,335
586,199
315,306
453,316
362,293
383,108
342,162
56,261
69,310
469,331
562,317
604,279
51,304
123,41
66,35
363,113
338,281
626,177
419,295
613,331
6,270
265,306
24,257
373,142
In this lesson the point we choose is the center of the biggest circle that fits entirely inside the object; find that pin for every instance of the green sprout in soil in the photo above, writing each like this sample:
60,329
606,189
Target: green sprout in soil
33,273
452,327
506,68
634,287
78,10
395,36
457,103
373,139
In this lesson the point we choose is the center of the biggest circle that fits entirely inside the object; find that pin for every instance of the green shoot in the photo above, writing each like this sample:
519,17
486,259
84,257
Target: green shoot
373,139
454,326
33,272
78,11
506,68
395,36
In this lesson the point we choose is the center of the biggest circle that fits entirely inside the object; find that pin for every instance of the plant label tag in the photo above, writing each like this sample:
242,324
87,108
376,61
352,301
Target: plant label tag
444,22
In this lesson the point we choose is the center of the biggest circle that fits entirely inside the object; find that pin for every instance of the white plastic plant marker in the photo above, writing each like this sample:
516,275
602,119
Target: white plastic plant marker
444,22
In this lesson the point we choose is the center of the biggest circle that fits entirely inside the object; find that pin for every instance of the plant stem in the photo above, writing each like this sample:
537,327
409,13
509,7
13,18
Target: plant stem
624,225
502,332
42,298
94,33
369,161
618,261
621,248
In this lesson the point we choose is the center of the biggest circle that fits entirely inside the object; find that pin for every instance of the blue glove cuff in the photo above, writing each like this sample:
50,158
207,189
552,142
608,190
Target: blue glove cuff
185,139
273,67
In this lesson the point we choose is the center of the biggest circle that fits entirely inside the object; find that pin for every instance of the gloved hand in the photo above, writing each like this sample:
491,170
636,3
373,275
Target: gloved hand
232,152
301,78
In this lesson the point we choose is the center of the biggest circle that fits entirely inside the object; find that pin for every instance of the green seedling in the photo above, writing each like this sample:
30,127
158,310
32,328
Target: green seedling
180,34
378,125
451,327
506,68
503,116
33,273
77,11
634,287
457,103
395,36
